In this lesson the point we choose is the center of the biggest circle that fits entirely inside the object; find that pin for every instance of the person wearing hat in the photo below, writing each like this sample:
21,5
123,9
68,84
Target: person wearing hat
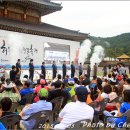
75,111
8,91
41,105
38,87
31,69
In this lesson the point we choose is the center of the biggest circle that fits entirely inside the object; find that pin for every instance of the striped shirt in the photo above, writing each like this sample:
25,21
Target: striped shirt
13,96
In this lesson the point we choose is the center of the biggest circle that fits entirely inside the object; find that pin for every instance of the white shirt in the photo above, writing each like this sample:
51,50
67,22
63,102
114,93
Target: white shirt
11,85
87,87
126,87
73,112
104,95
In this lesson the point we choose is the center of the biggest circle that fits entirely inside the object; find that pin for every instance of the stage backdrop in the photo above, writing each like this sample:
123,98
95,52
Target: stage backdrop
22,46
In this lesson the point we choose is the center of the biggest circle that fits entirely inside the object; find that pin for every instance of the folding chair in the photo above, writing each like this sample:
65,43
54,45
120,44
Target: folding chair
28,99
102,104
14,107
40,119
10,121
56,103
80,125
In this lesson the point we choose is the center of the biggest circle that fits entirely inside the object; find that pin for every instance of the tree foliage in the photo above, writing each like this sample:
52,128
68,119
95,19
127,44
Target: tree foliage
114,46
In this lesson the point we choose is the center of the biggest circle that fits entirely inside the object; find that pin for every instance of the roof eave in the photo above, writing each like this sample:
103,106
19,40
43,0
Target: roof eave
47,34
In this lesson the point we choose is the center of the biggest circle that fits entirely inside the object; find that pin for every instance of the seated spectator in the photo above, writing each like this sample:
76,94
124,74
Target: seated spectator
99,83
75,111
125,106
70,89
113,80
26,90
76,82
18,83
119,77
26,76
41,105
85,83
2,84
105,94
109,78
81,77
109,93
2,127
2,80
87,78
94,82
9,87
57,92
66,79
38,87
126,86
105,82
6,105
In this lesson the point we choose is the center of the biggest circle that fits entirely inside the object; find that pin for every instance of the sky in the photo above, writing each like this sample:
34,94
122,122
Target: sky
99,18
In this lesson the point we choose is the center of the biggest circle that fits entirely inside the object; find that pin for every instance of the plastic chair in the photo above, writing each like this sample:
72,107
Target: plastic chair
10,121
80,125
102,104
56,103
127,114
14,107
28,98
115,100
41,118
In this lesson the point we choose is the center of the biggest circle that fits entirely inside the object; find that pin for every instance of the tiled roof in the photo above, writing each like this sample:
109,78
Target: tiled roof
42,29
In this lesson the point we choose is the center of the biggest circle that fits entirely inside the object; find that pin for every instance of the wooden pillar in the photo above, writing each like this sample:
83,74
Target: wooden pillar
6,9
39,19
5,12
24,16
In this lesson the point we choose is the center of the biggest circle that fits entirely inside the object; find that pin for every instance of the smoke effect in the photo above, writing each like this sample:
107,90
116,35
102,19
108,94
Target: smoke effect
97,55
46,45
16,42
84,50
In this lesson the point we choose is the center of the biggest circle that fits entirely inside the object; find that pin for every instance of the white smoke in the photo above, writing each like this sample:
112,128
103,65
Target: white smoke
84,50
97,55
46,45
17,43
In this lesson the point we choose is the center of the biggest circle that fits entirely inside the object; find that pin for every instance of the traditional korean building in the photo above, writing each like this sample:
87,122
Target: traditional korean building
124,58
24,36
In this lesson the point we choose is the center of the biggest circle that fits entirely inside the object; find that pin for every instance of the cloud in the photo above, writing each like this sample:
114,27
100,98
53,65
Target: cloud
99,18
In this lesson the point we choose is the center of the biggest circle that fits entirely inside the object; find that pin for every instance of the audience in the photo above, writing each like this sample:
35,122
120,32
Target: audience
38,87
77,93
42,104
6,105
58,92
75,111
24,91
125,106
11,91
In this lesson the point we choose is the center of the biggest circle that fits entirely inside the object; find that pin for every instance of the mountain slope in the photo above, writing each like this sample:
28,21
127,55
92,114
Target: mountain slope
116,45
